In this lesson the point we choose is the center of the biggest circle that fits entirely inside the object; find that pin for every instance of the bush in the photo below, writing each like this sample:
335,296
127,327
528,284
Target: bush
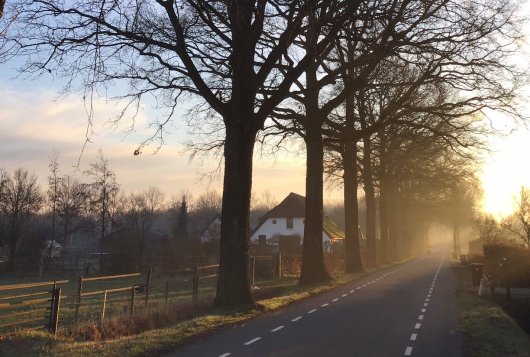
510,265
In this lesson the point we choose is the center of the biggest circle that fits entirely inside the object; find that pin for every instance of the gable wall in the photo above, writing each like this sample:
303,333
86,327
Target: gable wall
269,229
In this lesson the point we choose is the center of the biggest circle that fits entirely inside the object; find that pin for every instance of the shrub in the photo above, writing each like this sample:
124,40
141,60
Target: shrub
510,265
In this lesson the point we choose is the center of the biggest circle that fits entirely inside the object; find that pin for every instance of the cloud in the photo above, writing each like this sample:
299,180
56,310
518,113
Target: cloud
33,124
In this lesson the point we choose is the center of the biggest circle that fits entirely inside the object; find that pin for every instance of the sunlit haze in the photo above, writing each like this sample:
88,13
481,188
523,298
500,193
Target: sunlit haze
505,170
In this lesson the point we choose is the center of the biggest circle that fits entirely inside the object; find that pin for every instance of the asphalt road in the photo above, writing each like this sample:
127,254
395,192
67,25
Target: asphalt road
407,310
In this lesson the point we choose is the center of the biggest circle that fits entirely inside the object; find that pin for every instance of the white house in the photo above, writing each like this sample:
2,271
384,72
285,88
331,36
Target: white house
212,232
286,221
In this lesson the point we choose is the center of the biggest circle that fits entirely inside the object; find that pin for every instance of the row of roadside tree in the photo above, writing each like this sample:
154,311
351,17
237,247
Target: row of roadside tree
389,94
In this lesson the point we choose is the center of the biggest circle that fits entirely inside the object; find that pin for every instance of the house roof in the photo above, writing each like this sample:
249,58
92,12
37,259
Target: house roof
331,229
210,222
293,206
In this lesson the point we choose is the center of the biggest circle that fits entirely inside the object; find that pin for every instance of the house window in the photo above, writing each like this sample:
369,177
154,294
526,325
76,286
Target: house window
262,239
289,223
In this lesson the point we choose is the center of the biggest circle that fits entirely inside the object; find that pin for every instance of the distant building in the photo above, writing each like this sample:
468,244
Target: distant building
212,231
283,227
56,249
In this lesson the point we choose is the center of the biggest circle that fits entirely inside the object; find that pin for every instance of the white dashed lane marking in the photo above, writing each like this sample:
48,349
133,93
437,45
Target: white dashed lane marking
248,343
417,326
413,336
408,351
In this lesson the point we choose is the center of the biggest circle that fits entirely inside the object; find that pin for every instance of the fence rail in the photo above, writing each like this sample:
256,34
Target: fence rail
31,285
39,310
99,298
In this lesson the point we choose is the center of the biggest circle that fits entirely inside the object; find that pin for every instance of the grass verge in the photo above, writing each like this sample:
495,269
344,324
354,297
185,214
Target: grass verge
153,342
487,330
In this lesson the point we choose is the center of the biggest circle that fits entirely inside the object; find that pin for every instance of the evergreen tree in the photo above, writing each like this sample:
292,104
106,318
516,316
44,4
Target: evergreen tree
181,230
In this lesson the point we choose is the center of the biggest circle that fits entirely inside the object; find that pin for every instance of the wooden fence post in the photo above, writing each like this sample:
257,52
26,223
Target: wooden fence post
56,306
79,298
147,286
195,286
52,304
104,306
133,293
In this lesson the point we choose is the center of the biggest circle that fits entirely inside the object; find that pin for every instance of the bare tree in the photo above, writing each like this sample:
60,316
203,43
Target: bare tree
519,223
104,191
225,54
20,201
140,214
430,62
261,204
487,229
202,210
72,203
54,180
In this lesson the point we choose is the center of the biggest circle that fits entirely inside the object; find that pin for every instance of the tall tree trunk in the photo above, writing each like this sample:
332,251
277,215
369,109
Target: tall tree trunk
383,219
384,255
370,203
313,268
233,286
392,214
241,126
54,214
354,262
405,230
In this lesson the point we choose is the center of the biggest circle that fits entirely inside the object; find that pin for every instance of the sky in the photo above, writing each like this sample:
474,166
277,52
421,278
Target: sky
35,122
505,171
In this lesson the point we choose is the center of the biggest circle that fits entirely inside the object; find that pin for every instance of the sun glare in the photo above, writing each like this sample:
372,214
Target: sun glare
506,169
